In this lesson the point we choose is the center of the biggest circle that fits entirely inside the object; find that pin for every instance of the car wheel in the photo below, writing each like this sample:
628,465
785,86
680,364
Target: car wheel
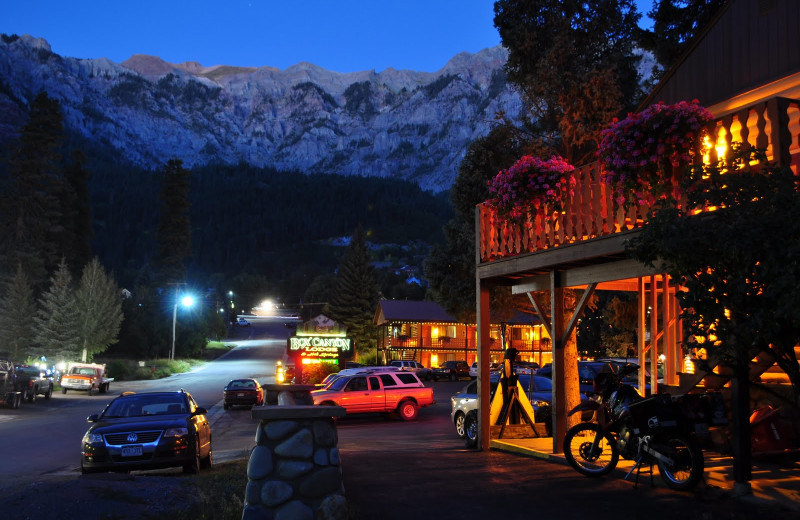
453,376
471,429
193,466
208,461
49,393
408,410
16,401
86,471
63,390
32,396
459,422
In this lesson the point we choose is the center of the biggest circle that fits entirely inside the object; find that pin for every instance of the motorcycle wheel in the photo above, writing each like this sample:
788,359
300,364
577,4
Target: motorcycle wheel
687,470
590,451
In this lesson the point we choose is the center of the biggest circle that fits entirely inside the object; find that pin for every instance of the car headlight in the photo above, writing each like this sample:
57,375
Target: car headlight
540,403
92,438
176,432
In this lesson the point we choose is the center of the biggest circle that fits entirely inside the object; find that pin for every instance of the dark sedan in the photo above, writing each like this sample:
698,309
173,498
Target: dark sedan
242,392
148,431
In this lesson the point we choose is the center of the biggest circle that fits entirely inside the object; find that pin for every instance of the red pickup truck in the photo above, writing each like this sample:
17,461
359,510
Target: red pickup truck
396,393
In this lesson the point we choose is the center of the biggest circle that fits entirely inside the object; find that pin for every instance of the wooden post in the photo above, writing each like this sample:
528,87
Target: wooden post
557,329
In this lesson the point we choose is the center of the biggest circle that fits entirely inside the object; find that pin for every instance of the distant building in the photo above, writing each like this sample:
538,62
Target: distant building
425,332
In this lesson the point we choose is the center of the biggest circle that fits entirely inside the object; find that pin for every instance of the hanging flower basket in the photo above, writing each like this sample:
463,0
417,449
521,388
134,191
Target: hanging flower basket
531,186
643,153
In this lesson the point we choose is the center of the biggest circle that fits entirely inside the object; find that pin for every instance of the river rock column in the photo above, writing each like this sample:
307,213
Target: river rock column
294,471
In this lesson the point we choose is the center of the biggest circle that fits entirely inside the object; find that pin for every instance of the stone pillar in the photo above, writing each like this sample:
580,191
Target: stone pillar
294,472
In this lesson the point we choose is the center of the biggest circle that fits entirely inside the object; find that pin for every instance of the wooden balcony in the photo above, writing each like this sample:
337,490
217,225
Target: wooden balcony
592,212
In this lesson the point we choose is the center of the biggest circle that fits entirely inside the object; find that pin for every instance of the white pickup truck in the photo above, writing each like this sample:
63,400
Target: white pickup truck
396,393
88,377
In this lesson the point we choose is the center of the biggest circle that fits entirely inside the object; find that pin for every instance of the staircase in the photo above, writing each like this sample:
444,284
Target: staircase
719,374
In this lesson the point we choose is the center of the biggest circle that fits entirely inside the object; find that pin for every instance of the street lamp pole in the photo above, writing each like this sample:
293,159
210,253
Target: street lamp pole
187,301
174,321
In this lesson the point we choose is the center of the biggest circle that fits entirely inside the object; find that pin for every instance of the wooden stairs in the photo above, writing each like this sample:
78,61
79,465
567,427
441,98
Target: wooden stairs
719,374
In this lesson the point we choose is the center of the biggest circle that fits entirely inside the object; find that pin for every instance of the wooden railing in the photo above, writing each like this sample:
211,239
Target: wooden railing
592,210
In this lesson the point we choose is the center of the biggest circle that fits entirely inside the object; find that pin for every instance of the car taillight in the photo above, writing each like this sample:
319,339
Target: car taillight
30,383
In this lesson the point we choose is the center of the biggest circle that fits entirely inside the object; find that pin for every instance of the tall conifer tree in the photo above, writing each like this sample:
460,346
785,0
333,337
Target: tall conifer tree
55,323
356,295
174,231
32,218
98,303
16,309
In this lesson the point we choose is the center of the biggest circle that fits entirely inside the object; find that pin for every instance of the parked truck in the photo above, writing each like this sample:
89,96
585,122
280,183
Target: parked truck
10,392
87,377
34,381
395,393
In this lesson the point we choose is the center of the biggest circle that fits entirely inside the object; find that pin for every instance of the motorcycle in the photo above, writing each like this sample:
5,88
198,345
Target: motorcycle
650,431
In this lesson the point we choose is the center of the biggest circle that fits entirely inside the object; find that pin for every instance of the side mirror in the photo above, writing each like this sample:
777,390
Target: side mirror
92,418
200,411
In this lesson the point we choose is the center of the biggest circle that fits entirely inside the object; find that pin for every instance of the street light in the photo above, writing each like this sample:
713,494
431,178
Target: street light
186,301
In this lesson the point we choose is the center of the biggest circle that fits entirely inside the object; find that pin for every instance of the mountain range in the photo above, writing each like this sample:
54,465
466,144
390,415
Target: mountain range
402,124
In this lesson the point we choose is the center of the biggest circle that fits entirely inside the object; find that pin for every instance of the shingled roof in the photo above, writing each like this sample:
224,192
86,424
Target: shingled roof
412,311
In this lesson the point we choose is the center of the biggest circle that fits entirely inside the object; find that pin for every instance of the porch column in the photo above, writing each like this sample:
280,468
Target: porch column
484,399
557,342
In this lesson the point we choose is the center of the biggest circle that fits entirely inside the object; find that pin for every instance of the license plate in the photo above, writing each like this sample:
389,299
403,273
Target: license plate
240,394
131,451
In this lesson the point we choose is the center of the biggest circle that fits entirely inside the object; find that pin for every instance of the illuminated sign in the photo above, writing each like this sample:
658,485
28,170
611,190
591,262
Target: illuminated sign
320,346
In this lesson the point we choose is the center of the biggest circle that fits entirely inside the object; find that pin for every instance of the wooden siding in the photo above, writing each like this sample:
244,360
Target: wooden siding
752,43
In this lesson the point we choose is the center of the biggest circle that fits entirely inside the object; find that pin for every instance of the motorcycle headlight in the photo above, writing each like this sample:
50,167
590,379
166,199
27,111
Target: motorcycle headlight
176,432
92,438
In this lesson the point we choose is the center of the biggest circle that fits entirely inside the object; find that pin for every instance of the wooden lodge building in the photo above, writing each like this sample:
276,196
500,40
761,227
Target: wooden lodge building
745,69
425,332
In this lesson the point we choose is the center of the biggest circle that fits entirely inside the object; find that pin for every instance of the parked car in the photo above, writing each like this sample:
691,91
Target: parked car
473,369
587,370
148,431
452,370
242,392
539,391
408,365
34,381
242,322
391,392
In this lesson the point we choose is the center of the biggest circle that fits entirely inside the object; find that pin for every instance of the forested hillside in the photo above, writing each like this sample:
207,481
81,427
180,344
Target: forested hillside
258,220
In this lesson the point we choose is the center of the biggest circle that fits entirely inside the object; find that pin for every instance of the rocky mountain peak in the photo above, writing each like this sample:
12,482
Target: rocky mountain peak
396,123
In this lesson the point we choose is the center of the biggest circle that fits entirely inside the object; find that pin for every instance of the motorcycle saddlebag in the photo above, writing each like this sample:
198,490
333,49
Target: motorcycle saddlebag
653,414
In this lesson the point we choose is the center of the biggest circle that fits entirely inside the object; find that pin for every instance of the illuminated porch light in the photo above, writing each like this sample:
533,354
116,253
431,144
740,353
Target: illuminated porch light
688,366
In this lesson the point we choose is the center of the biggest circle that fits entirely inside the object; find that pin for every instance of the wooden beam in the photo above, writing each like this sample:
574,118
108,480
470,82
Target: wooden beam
578,311
582,276
542,316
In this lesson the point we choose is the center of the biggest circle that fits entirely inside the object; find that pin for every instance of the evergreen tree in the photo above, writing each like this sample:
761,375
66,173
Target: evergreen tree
32,219
56,322
450,267
675,24
77,212
356,297
98,303
174,231
574,64
17,309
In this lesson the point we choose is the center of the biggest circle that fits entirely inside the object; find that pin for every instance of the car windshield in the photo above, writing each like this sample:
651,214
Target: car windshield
338,384
143,405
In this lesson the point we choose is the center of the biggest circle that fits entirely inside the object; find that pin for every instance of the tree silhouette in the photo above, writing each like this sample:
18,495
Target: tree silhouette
356,296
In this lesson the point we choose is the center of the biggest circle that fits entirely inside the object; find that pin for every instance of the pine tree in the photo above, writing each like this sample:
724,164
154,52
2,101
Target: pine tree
353,304
17,309
174,231
98,303
56,322
32,219
77,213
